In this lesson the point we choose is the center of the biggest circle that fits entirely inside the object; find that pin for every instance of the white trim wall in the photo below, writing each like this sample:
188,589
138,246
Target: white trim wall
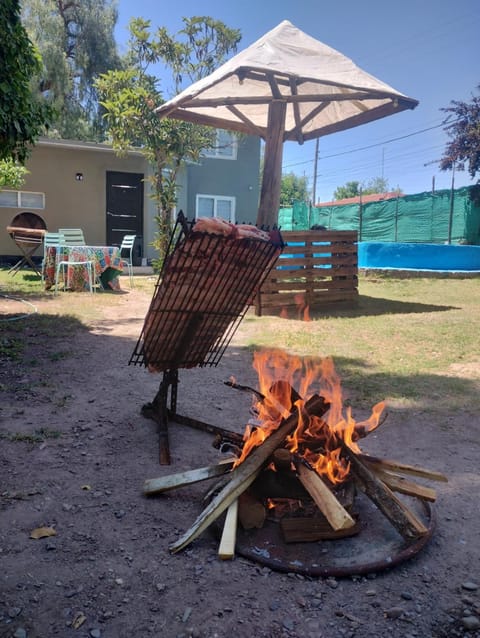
226,146
223,206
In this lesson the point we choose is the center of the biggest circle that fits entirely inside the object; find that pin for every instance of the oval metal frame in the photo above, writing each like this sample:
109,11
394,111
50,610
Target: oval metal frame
376,548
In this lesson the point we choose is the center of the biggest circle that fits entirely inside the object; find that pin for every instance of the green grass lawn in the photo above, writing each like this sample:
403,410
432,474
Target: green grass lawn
411,341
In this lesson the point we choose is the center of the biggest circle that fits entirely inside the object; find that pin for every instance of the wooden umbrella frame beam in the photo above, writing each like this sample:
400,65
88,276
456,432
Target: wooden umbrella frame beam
277,89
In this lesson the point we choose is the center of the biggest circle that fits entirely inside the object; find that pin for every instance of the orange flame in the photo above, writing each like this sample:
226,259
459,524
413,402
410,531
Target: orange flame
303,309
316,440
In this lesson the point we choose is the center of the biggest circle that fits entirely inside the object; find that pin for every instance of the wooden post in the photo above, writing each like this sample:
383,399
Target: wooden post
272,165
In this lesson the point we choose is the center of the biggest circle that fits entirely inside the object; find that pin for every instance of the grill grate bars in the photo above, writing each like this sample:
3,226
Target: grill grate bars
207,283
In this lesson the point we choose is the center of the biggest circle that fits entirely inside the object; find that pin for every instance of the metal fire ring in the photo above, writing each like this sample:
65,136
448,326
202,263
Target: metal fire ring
377,547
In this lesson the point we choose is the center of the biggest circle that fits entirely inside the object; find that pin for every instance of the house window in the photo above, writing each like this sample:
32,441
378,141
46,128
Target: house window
225,146
215,206
22,199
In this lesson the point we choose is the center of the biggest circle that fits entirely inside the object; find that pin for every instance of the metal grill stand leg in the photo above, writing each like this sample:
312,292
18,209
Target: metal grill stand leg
158,411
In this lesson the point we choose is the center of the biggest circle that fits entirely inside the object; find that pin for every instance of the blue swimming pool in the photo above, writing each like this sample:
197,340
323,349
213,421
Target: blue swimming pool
439,257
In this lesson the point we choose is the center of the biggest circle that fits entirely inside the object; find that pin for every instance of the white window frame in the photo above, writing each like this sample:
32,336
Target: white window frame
19,196
218,151
216,199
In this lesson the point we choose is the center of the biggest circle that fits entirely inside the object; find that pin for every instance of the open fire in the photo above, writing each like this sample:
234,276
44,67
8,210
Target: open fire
313,455
315,439
299,463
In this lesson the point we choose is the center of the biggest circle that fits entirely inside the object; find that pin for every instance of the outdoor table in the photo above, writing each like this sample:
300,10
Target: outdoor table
107,263
28,240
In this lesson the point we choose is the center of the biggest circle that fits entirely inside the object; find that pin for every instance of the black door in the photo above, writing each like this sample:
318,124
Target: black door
124,207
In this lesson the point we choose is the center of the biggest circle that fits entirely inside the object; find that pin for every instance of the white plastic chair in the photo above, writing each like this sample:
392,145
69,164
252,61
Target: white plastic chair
73,236
127,247
64,262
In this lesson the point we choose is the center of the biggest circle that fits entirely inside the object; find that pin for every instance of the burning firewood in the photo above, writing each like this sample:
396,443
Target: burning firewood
327,503
251,511
246,473
404,521
274,484
282,460
165,483
402,468
298,529
400,484
299,465
226,550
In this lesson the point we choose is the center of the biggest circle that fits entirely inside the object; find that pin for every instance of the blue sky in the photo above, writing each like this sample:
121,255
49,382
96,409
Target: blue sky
426,49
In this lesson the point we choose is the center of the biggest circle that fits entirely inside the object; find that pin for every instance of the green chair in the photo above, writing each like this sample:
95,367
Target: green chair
73,236
126,247
50,240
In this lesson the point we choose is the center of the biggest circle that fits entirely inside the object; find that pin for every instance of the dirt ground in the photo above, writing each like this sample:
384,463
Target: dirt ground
75,452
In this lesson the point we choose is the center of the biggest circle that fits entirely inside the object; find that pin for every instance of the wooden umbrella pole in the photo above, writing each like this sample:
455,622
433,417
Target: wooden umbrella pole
272,165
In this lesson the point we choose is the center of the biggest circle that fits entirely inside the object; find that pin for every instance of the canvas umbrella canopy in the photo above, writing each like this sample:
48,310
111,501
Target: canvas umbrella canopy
285,86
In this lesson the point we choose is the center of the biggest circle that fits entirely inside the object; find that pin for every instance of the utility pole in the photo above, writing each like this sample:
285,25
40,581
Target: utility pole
452,196
315,164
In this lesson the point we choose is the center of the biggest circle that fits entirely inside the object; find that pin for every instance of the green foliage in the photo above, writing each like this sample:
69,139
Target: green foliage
37,436
354,188
76,41
350,189
11,348
375,185
12,174
293,189
130,96
464,131
23,115
203,44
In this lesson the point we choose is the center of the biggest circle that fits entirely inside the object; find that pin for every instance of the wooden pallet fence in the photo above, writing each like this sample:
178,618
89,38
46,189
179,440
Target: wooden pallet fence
316,268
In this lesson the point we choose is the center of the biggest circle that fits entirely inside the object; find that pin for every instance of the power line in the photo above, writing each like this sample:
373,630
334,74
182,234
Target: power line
364,148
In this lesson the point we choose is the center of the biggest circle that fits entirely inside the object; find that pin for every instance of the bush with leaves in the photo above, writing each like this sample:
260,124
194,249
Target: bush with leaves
130,96
23,115
464,147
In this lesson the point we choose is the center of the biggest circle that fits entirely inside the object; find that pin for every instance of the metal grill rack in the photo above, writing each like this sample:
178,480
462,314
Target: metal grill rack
205,287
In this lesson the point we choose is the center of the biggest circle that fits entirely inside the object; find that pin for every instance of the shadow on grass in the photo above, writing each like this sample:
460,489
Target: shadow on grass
425,390
374,306
364,385
31,277
37,325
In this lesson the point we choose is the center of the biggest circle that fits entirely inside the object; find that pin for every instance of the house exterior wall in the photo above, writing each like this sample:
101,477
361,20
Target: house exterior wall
237,178
68,201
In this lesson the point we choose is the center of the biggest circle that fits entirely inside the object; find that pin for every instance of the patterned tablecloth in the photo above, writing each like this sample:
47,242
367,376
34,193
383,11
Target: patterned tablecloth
107,261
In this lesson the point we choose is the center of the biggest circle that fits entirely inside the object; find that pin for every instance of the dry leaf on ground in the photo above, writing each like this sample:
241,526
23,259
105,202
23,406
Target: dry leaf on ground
42,532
